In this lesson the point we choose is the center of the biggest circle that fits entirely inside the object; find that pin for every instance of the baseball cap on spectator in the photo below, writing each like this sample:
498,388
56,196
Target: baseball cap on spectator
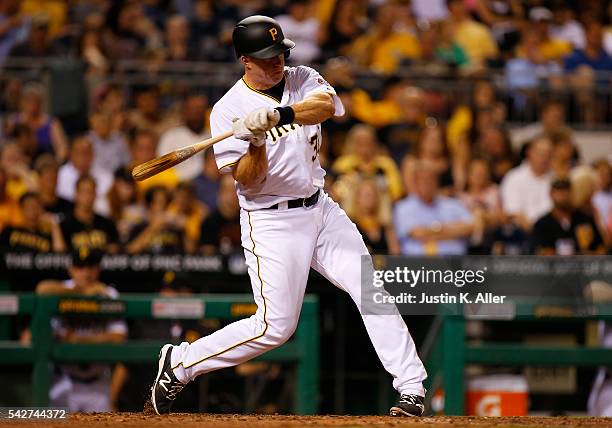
540,14
84,256
561,184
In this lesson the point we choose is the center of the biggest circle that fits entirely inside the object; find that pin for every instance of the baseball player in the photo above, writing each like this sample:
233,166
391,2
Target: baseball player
289,224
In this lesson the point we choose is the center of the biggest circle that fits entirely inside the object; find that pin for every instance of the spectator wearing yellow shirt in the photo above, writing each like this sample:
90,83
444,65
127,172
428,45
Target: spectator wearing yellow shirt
384,47
55,10
143,147
383,112
191,211
20,178
550,48
9,209
364,160
473,37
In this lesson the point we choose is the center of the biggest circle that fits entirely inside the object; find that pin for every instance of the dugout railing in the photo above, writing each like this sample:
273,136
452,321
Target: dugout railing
44,350
447,352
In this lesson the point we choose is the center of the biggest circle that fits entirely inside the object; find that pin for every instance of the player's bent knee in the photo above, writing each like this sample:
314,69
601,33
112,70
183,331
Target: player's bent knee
277,335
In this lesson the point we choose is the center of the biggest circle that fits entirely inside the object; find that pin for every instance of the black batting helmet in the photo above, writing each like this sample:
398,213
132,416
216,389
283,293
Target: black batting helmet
260,37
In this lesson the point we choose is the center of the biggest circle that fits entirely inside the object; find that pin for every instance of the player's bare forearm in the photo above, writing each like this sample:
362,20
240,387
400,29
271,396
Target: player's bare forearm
252,168
316,108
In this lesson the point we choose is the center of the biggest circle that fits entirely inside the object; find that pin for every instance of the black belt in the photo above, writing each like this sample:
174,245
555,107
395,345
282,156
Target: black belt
301,202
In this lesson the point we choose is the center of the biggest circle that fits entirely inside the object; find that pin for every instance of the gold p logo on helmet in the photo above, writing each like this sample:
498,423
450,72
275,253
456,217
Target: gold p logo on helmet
273,32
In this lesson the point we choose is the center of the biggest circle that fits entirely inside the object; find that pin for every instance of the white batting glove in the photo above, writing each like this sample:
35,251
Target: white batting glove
262,119
241,132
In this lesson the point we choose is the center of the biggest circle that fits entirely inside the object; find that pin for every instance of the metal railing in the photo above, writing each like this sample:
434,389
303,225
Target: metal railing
44,350
213,79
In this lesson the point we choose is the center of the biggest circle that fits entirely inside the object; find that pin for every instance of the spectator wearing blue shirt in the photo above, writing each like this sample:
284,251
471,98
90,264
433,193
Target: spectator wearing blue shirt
427,223
592,56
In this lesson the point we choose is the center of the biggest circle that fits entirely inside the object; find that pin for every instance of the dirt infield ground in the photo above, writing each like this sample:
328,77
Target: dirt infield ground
178,420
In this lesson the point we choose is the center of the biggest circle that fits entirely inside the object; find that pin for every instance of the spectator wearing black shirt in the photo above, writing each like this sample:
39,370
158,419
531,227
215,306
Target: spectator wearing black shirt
40,232
565,230
221,230
47,168
84,228
163,233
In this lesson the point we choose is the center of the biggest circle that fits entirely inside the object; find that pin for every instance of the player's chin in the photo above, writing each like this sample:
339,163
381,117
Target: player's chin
276,74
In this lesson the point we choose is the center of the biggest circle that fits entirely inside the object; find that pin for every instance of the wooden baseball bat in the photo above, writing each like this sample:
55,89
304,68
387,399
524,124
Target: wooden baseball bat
162,163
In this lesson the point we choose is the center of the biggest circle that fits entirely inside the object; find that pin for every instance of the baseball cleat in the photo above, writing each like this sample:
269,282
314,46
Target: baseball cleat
408,405
166,385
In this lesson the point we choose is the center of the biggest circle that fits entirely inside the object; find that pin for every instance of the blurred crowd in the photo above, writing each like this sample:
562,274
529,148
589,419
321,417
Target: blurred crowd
419,171
415,177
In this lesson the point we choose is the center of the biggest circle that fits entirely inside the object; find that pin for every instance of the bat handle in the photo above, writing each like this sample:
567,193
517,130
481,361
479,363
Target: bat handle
203,145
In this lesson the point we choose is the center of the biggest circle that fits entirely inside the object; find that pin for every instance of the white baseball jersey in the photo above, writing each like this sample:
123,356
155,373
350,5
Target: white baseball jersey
294,170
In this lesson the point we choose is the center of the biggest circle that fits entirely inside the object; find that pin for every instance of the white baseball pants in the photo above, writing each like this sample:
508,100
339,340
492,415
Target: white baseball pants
280,247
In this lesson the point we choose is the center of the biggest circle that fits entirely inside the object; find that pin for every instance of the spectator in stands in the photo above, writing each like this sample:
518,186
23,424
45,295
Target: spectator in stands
427,223
494,145
191,131
191,211
38,43
143,146
55,11
525,190
548,48
10,97
92,52
593,54
47,170
207,183
343,28
125,211
220,233
602,199
482,198
177,38
299,24
473,37
83,387
402,136
504,18
446,49
432,151
530,68
132,35
565,156
84,228
371,212
9,209
13,27
552,123
379,113
81,164
565,231
109,146
50,136
147,116
20,178
462,126
163,232
39,231
110,101
565,27
363,158
383,47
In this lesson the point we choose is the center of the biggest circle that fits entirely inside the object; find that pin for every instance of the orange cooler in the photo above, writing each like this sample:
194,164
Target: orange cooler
497,395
